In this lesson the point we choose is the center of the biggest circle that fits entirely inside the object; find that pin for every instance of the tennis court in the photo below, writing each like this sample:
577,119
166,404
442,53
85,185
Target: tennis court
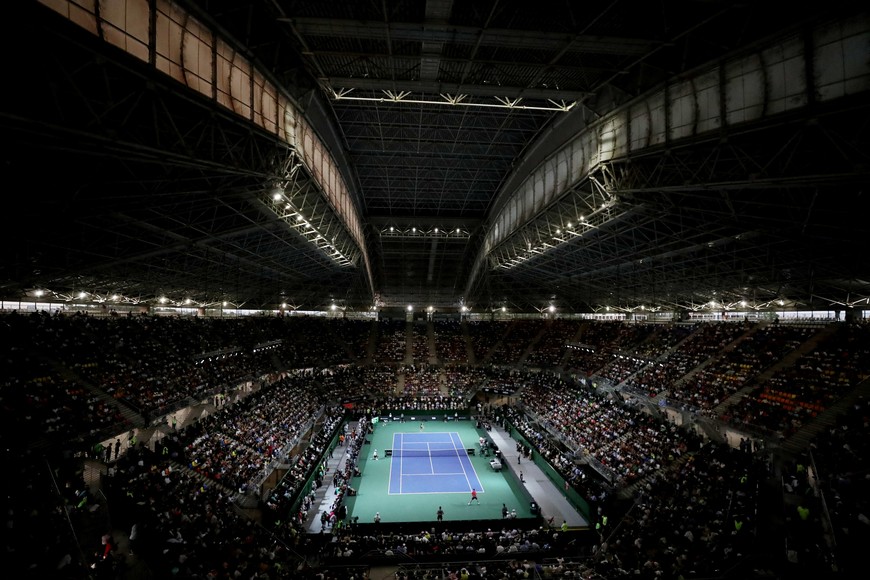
431,463
429,468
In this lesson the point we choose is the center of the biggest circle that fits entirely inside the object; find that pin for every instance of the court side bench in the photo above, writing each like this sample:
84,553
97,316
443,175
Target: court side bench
470,451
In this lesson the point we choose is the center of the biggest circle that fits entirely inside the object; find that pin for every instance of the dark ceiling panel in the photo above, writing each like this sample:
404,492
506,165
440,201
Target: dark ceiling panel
129,184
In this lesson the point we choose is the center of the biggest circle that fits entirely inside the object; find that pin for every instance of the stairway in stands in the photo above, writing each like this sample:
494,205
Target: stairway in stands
787,361
132,418
807,347
469,345
566,352
661,357
718,356
799,441
533,344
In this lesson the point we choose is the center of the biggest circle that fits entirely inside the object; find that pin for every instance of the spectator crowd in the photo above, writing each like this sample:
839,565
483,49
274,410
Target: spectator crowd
687,506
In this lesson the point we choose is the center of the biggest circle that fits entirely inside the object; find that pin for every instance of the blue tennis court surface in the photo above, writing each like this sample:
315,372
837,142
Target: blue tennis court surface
431,463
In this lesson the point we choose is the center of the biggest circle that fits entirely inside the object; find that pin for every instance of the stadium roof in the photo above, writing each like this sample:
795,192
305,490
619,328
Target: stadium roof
451,124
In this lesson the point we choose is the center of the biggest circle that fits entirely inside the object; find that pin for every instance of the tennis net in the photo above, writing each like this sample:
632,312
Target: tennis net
445,452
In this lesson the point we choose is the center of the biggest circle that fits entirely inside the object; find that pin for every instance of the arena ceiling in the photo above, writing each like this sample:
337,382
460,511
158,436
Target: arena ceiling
119,183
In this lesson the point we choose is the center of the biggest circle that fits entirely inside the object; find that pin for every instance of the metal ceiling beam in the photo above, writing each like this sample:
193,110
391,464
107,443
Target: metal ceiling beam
432,91
469,35
437,18
408,62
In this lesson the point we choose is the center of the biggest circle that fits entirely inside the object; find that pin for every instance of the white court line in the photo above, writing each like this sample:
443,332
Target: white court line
429,493
400,442
430,474
459,459
396,437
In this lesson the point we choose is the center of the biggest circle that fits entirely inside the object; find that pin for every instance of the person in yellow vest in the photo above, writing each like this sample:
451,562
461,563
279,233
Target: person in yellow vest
803,512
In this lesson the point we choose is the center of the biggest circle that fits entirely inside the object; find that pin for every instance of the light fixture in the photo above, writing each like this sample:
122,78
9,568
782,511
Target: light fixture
410,308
